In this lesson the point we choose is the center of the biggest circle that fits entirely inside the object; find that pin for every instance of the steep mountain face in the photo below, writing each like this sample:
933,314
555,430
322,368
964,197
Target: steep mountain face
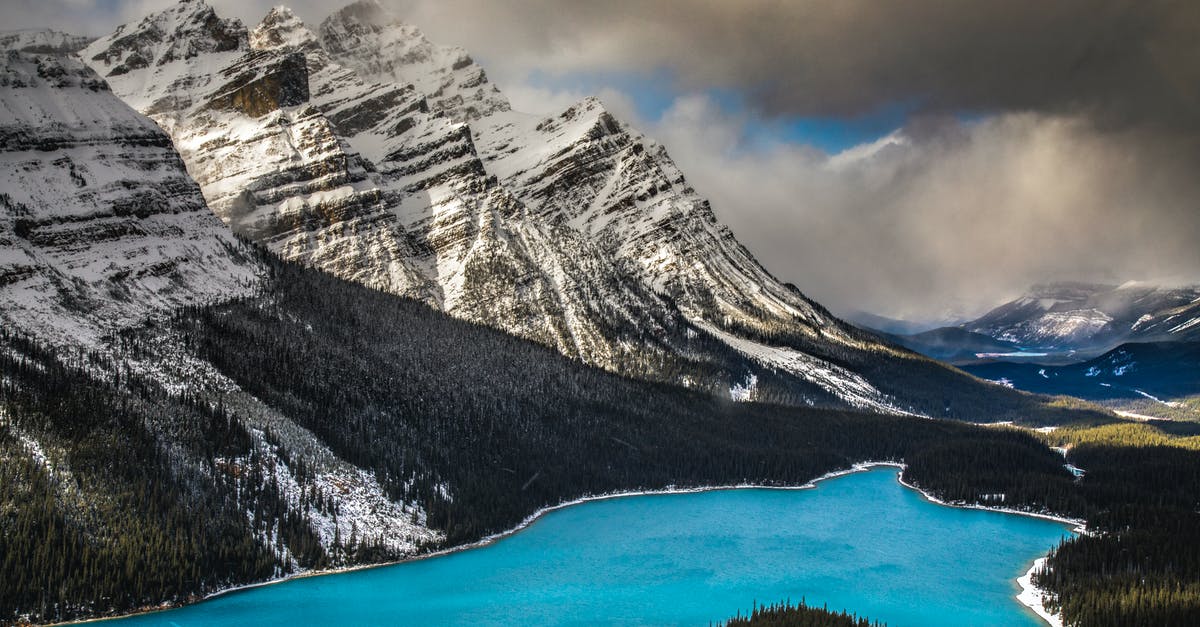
102,231
365,150
100,225
1085,316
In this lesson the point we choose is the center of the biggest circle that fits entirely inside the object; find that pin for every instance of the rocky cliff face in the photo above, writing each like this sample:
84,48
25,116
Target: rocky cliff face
367,151
100,225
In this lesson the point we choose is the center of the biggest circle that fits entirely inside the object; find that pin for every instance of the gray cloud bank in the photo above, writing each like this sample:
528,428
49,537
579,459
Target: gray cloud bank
1128,60
1082,161
949,217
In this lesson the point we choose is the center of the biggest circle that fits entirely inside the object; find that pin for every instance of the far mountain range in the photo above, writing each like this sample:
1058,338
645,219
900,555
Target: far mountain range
1059,322
1132,346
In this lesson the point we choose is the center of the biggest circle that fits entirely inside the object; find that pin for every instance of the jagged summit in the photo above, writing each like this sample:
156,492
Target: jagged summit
183,31
374,42
281,28
159,62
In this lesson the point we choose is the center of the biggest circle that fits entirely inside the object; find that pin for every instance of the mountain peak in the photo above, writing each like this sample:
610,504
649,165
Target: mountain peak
182,31
364,12
380,47
280,27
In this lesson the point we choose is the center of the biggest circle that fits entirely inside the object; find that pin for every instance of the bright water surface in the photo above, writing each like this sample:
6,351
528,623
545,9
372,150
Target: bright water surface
861,541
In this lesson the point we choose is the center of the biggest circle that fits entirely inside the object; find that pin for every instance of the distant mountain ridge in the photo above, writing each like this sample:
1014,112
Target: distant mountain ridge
1084,316
954,345
1158,371
893,326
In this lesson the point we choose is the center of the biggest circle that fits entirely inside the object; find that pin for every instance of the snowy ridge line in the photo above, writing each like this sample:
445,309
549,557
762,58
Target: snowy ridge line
1030,596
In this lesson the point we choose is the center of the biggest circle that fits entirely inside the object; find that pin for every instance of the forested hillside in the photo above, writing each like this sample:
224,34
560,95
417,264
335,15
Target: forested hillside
482,428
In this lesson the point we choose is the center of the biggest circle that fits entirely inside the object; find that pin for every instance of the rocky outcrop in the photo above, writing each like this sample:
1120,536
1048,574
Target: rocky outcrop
281,81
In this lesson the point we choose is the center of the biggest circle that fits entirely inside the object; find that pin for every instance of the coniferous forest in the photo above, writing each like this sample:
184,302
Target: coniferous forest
798,615
135,494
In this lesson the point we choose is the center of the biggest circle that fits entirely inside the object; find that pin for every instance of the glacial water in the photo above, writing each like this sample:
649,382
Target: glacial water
861,541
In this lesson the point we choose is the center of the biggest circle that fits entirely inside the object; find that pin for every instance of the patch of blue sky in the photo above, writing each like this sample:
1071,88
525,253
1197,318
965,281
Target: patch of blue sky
653,93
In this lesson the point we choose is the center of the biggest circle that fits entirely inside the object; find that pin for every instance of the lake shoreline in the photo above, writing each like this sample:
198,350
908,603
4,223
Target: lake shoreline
1033,602
1030,595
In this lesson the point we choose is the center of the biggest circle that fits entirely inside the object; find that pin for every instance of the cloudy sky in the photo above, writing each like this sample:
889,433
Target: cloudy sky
908,158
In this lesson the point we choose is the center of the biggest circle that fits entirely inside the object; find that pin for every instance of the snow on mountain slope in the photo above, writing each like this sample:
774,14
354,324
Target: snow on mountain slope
1086,316
1177,323
363,180
367,151
841,382
380,48
100,225
585,170
43,41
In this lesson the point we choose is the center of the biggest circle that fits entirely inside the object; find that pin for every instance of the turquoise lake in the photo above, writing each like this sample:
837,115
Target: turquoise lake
861,541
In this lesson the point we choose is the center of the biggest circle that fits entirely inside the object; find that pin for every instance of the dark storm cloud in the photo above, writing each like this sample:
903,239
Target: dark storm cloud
1120,61
1129,60
949,217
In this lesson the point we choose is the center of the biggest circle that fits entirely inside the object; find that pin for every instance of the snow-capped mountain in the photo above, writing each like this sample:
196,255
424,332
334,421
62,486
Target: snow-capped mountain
42,41
100,225
1085,316
365,150
381,49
